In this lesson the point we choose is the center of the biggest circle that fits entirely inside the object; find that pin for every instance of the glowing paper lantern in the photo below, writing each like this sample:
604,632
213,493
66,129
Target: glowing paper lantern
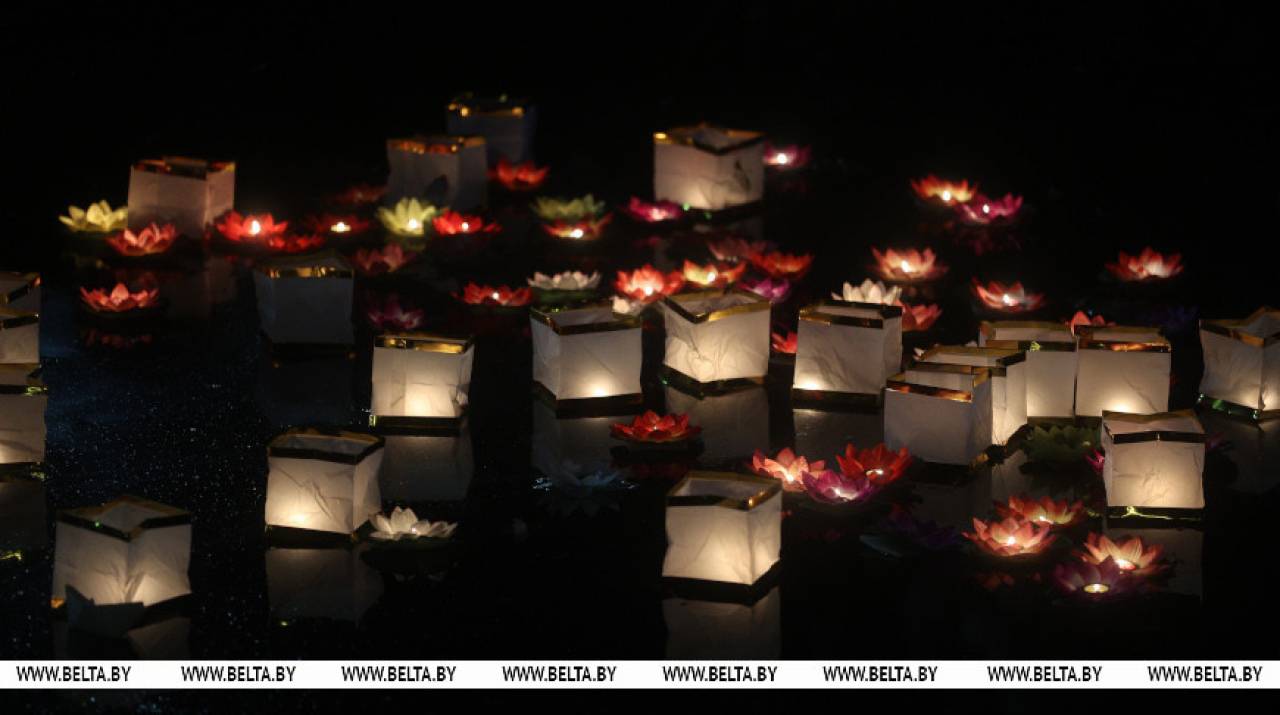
23,400
305,299
723,527
1051,362
312,389
427,467
705,629
507,124
940,413
847,349
323,480
1121,369
19,318
734,424
1008,370
331,583
586,353
713,336
1153,461
707,167
188,193
420,380
418,163
1242,364
20,291
113,561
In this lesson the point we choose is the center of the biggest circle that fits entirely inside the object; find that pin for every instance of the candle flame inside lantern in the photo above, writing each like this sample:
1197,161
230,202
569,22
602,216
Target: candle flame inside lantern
781,158
1097,588
946,196
576,233
466,226
1010,541
1008,299
986,208
254,227
711,276
340,227
496,296
875,472
413,224
906,267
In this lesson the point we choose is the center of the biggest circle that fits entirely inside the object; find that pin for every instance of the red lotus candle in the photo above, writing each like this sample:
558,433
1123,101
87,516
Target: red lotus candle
359,195
452,223
879,464
502,296
1042,511
390,316
918,318
1012,298
1149,265
786,157
1131,555
653,428
787,467
775,291
1083,319
908,266
733,249
251,228
519,177
782,265
339,225
713,275
983,211
1011,537
151,240
831,487
652,212
784,344
940,191
1092,581
388,259
120,299
648,284
583,230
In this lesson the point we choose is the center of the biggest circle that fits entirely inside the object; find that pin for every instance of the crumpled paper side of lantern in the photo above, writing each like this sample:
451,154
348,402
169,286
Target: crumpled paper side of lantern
714,543
22,410
19,337
1122,381
726,349
188,202
300,310
332,583
415,383
20,292
714,630
1240,372
699,179
321,495
734,425
587,365
571,446
841,358
426,468
1008,383
465,174
937,429
1051,369
1161,474
150,568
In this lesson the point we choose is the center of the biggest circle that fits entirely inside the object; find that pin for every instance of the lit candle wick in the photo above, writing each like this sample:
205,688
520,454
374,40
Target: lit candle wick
466,226
1097,588
1010,541
576,233
1124,564
413,224
946,196
906,267
1008,300
496,296
711,277
254,227
340,227
648,290
986,208
781,158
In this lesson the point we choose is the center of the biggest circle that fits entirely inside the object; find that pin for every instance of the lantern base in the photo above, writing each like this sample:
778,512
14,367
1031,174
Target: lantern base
690,386
834,400
405,425
289,537
1234,409
1152,516
724,591
629,404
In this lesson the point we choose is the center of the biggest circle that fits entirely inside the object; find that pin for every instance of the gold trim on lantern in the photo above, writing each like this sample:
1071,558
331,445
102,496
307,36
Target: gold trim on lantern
768,489
1234,329
88,517
1085,339
815,314
468,104
1234,408
899,382
419,145
418,425
1033,345
307,267
425,342
275,447
758,303
1002,358
1153,435
988,328
30,281
184,166
684,136
819,399
620,321
31,386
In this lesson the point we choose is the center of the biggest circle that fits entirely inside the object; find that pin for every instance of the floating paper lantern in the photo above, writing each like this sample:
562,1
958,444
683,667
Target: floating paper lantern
712,275
1153,461
19,317
700,628
847,350
418,163
785,158
1242,364
329,583
305,299
940,413
427,467
586,353
20,291
420,380
409,217
113,561
1122,369
983,211
252,229
708,168
379,261
1149,265
188,193
1008,370
23,400
1011,298
652,212
714,336
323,480
734,423
723,527
506,123
1051,362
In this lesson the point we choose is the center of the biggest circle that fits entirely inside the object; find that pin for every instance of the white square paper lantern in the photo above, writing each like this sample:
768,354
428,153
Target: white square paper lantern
23,400
1122,369
20,291
586,353
940,413
573,445
129,552
847,349
427,467
1153,461
716,336
701,629
19,336
723,527
418,163
305,300
1008,370
1242,364
328,583
1051,362
323,480
506,123
189,193
707,167
420,380
734,424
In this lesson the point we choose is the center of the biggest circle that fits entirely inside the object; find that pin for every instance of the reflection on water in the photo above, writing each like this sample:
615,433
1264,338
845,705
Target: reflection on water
304,391
734,425
822,434
425,468
333,583
1253,447
704,629
163,639
571,447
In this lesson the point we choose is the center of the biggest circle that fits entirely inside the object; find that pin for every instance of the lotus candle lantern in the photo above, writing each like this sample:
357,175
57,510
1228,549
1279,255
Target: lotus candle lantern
723,527
1171,554
908,266
1083,319
881,465
784,344
149,241
23,400
189,193
403,524
339,226
655,212
1093,581
831,487
1122,369
499,296
1011,537
733,249
329,583
420,380
869,292
567,283
782,265
1149,265
389,316
712,275
1012,298
586,353
120,299
715,626
983,211
1008,368
519,177
254,229
1129,555
305,299
96,218
1153,461
112,562
785,158
647,284
787,467
418,164
322,480
708,168
427,467
1242,364
1056,514
715,336
378,261
847,350
940,413
919,318
1051,362
506,123
580,219
775,291
652,428
409,217
452,223
937,191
